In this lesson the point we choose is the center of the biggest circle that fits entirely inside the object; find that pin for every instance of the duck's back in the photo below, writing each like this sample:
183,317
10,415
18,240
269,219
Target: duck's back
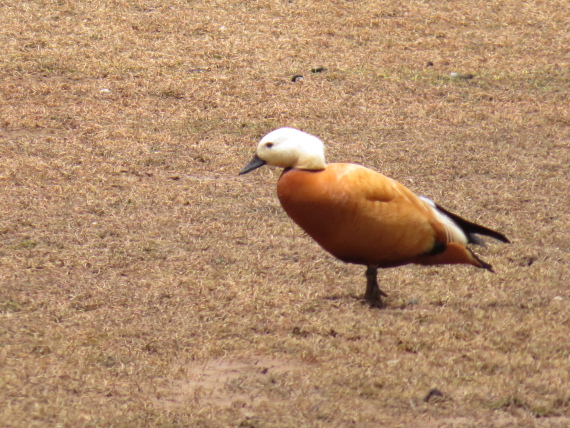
358,215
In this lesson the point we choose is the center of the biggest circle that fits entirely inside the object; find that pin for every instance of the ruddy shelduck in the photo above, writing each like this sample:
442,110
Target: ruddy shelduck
361,216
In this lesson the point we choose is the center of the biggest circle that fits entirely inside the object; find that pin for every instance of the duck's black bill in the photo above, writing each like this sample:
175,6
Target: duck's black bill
255,163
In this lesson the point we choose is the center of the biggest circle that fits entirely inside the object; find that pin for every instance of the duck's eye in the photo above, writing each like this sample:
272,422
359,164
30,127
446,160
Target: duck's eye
268,145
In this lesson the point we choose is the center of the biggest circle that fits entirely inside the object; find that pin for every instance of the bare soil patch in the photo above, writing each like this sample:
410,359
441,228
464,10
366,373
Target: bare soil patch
242,383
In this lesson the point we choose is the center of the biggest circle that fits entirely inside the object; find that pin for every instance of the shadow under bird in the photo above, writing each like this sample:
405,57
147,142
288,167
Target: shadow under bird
361,216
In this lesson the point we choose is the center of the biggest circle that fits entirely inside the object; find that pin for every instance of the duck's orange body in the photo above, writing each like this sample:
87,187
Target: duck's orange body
361,216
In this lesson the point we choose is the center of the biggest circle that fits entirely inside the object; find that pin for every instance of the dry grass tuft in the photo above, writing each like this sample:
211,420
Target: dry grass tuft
144,284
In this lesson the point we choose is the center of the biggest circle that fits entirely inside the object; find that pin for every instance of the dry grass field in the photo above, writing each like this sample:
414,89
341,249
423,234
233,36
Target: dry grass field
143,283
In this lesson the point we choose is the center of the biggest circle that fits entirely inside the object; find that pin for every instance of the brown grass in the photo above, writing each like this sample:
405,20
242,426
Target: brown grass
144,284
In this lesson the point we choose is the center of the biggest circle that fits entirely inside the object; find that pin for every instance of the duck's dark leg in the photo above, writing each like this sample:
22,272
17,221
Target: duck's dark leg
373,292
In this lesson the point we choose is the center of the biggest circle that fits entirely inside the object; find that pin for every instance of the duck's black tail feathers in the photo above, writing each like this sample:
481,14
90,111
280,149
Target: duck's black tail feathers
482,263
472,229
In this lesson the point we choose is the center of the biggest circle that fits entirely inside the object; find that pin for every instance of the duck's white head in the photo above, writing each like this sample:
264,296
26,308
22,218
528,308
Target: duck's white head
288,148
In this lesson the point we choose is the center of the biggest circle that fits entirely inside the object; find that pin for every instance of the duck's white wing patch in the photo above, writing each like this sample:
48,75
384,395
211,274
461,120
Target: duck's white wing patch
428,200
452,231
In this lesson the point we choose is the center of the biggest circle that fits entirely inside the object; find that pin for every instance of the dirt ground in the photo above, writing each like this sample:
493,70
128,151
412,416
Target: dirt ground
143,283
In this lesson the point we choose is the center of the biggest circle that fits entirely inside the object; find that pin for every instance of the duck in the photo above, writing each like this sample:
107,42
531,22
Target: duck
361,216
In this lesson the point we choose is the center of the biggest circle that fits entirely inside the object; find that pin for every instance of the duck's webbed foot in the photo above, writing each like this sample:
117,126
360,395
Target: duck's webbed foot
373,293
